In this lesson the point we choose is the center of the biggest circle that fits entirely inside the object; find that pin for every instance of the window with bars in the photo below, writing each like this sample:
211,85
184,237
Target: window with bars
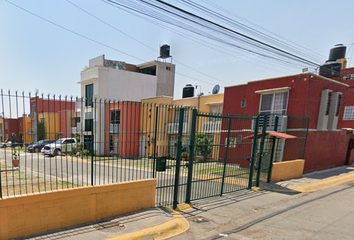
348,113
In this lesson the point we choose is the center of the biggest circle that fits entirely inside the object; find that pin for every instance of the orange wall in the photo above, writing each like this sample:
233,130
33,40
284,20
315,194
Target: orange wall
38,213
129,127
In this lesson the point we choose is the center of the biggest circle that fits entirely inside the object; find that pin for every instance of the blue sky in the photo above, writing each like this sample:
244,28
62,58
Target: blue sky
35,54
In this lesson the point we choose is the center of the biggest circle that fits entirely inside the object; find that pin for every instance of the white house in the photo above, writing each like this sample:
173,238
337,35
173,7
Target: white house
116,80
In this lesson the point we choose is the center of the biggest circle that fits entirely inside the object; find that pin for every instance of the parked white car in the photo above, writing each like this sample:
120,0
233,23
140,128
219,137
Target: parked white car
56,148
7,144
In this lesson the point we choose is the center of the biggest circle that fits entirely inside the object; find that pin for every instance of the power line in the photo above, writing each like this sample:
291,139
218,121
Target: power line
113,27
230,30
92,40
209,25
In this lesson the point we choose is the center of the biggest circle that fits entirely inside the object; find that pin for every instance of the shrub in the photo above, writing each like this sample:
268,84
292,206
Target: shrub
202,145
86,152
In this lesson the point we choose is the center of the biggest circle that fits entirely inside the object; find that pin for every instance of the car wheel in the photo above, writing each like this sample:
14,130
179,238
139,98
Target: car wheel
57,152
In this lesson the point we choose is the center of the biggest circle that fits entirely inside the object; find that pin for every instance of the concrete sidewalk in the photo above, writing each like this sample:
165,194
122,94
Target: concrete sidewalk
153,223
313,181
161,223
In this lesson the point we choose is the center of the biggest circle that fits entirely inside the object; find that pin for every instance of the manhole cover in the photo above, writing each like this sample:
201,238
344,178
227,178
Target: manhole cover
109,226
200,220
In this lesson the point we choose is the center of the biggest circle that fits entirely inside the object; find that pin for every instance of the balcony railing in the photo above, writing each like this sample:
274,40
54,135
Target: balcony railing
114,127
173,127
211,127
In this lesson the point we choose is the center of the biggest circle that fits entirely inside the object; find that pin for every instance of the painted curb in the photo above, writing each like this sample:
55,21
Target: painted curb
165,230
325,184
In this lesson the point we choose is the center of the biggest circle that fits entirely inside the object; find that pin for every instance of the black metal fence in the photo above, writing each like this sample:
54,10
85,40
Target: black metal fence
95,141
62,142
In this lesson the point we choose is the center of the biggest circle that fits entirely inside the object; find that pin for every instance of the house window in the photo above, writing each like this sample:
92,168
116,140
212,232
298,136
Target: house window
275,103
243,103
348,113
168,68
6,126
329,99
215,110
34,108
185,117
149,70
88,125
115,116
338,104
89,95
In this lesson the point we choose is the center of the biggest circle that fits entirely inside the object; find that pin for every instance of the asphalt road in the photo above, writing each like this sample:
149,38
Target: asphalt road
62,171
324,215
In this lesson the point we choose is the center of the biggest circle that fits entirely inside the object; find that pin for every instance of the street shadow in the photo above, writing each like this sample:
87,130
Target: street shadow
206,204
274,187
79,231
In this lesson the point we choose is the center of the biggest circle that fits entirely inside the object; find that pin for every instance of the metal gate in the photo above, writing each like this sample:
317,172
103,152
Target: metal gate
208,155
214,155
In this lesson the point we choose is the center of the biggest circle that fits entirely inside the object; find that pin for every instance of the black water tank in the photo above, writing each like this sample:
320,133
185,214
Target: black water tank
337,52
330,69
165,51
188,91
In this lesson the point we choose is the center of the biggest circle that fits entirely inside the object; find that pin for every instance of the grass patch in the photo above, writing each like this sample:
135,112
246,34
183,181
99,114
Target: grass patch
22,189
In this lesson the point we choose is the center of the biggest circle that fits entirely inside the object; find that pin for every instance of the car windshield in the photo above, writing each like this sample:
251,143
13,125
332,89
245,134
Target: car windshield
59,141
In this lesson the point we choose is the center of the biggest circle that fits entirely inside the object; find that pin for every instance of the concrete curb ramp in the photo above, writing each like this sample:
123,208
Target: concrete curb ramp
163,231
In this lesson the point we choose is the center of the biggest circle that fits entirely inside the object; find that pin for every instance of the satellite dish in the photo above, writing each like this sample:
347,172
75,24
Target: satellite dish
216,89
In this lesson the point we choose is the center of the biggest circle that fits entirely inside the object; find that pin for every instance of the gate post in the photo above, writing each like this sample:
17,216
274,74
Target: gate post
178,157
155,142
270,168
191,156
264,130
225,159
254,151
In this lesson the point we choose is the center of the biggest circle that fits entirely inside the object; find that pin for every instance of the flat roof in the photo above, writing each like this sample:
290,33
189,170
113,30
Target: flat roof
311,74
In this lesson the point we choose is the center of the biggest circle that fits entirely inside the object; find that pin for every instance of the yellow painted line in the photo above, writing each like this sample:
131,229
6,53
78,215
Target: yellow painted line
325,184
184,207
162,231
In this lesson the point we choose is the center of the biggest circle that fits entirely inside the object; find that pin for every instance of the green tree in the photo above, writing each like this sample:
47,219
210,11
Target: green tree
202,145
40,130
20,137
13,137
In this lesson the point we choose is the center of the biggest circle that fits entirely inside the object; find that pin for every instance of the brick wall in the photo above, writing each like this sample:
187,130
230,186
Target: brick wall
37,213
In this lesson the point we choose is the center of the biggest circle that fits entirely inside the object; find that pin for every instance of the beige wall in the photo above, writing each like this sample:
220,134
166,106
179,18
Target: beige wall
37,213
287,170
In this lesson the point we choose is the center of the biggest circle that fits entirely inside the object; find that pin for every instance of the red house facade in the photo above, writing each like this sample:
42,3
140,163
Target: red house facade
322,99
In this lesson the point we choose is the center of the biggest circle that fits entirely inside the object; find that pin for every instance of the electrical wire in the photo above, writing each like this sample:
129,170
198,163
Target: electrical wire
95,41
